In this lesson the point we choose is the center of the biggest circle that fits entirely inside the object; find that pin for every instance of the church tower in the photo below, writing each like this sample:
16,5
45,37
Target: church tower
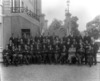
67,21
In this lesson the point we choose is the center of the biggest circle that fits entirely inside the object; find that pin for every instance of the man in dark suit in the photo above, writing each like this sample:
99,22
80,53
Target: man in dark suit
86,50
64,56
12,38
57,53
95,50
6,56
50,53
20,55
87,38
25,54
44,53
13,55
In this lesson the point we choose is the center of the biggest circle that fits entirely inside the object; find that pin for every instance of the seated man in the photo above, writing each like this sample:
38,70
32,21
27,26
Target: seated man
72,56
6,56
32,54
64,55
89,53
50,53
13,55
20,55
25,55
56,53
44,54
38,52
87,44
80,53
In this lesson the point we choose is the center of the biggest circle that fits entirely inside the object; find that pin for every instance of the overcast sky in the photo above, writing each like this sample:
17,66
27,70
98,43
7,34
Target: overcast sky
85,10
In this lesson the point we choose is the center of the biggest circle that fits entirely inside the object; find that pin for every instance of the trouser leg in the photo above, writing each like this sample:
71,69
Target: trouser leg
85,58
95,59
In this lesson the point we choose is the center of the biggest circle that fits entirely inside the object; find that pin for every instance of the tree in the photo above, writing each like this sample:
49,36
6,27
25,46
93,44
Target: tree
93,27
55,25
74,26
94,33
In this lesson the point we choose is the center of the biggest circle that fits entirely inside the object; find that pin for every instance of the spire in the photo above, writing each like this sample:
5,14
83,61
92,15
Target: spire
67,10
68,4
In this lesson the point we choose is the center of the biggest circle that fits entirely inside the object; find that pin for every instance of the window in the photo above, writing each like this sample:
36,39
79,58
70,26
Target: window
22,4
15,4
25,31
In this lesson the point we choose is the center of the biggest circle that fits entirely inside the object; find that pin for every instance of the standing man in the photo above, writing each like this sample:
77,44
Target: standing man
95,50
87,38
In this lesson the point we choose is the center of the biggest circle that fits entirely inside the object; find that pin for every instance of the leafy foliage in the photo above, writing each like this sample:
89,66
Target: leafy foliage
74,26
56,24
93,27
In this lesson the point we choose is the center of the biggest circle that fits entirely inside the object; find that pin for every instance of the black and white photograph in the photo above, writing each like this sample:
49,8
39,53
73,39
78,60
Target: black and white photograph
49,40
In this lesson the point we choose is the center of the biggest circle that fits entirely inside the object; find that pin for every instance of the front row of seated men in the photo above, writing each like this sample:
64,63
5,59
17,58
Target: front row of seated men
37,53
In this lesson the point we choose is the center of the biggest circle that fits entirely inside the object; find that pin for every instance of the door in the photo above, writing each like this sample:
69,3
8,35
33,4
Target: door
25,32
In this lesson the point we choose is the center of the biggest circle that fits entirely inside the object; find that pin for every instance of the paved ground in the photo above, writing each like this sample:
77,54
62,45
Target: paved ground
50,73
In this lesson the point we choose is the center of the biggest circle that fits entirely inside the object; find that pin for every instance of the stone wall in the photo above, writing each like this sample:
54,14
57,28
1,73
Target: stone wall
6,30
14,24
19,23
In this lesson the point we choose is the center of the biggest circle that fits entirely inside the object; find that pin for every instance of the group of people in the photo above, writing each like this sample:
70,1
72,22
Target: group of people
50,50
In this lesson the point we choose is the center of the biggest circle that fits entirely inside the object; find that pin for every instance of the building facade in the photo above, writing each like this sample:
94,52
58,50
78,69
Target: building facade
21,16
1,30
1,24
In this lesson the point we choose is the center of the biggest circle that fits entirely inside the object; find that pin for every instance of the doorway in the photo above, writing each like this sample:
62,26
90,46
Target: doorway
25,32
